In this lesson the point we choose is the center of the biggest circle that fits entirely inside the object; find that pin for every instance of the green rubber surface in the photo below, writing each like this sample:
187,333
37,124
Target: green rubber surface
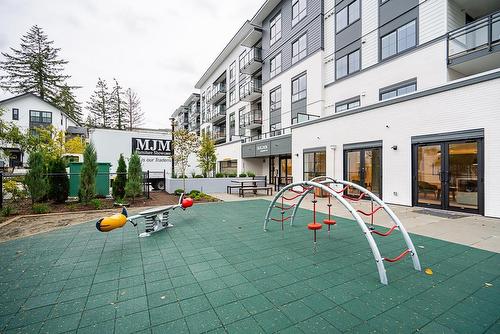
217,271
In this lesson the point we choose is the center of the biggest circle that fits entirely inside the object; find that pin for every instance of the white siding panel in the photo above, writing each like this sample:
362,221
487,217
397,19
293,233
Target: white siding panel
432,20
456,18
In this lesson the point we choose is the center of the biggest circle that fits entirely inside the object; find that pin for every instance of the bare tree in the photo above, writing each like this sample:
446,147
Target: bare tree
133,111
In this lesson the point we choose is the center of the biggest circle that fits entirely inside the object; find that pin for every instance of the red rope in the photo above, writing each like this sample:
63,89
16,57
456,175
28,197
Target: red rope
283,208
354,199
369,213
279,219
399,257
340,191
386,233
291,198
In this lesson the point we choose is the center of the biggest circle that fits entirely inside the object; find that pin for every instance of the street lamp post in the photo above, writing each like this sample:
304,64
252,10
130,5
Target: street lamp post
172,124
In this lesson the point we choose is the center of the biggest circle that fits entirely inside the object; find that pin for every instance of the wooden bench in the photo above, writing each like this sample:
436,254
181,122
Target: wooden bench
228,190
268,189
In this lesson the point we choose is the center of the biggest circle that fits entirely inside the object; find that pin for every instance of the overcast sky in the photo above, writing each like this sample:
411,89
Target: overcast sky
158,48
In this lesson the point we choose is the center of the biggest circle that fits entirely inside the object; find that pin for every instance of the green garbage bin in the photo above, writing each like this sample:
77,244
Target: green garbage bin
102,179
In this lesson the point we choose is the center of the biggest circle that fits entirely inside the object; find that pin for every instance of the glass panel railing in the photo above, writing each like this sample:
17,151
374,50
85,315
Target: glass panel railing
254,54
253,86
267,135
251,117
303,118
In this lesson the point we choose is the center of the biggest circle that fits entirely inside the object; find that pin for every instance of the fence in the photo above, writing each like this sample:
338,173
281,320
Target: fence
104,180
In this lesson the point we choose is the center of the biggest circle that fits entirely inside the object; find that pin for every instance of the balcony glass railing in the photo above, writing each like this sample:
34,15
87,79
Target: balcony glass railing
478,35
253,117
251,87
252,55
303,118
219,134
267,135
216,112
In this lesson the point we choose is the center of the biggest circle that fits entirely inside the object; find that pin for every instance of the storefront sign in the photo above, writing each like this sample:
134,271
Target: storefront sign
262,148
147,146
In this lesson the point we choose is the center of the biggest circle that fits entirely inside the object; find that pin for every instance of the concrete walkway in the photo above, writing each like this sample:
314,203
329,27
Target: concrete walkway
466,229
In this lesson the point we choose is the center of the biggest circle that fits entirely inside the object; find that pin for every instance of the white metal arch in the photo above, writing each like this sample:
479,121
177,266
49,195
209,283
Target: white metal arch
376,199
373,246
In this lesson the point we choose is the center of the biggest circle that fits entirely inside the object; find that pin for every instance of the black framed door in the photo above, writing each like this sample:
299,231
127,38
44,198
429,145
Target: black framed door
449,175
285,171
364,167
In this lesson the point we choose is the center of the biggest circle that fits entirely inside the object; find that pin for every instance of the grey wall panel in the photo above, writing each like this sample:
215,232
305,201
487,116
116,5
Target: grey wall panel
395,8
457,135
275,117
312,23
348,35
281,146
399,21
299,107
248,150
263,148
348,49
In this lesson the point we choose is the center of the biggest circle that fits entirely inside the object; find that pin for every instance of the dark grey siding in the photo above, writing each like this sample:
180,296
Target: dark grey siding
349,34
393,9
265,148
312,24
299,107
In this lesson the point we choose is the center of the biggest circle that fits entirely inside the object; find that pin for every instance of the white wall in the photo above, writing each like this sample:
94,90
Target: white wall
465,108
230,151
432,19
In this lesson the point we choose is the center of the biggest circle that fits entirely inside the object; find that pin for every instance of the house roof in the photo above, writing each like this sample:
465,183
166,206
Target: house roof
38,97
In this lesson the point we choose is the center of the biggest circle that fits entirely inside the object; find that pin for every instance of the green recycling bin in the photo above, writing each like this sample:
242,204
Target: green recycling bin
102,179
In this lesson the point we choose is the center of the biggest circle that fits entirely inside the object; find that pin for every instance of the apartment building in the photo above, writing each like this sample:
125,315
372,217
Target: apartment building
400,96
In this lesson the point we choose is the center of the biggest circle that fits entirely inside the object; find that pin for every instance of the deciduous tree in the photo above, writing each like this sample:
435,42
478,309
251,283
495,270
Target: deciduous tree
99,106
132,105
184,144
206,155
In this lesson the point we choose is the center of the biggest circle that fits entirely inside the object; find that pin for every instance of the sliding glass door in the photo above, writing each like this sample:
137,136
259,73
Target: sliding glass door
364,167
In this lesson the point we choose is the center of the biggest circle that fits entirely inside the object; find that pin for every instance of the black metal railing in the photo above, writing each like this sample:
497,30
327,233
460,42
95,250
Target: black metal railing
251,87
216,112
252,55
253,117
478,35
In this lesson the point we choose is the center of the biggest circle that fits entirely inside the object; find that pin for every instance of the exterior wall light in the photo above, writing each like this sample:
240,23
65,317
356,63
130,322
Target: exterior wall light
395,147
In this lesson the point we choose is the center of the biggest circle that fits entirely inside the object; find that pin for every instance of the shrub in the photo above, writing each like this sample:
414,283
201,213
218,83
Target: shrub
198,176
7,211
179,191
193,174
39,208
14,188
133,188
36,179
96,203
88,174
121,179
219,175
58,181
194,192
232,175
251,174
174,175
72,207
243,175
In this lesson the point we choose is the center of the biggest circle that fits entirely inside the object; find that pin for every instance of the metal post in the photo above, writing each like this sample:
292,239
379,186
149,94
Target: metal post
172,123
147,184
490,32
1,190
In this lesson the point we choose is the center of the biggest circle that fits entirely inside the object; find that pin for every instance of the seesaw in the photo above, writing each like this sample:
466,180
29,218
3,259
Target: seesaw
156,219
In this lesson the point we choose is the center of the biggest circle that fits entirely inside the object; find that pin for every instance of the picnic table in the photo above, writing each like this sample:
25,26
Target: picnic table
241,184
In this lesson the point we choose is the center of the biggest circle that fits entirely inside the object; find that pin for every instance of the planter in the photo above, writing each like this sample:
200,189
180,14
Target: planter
206,185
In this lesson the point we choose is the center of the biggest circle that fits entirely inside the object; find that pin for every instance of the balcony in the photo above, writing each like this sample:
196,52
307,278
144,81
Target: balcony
474,48
251,90
251,61
219,135
194,123
218,93
217,114
251,119
301,117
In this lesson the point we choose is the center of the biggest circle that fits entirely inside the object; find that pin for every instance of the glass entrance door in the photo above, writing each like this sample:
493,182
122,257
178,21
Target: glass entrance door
449,175
285,173
364,167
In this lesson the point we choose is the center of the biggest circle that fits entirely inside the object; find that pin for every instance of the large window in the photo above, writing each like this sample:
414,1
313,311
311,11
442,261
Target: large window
348,104
232,97
398,90
314,164
232,126
232,72
40,117
299,10
15,114
228,167
275,28
347,15
348,64
275,65
299,88
299,49
275,99
399,40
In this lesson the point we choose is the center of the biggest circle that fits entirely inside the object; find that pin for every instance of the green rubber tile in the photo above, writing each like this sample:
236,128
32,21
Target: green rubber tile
152,276
131,292
205,275
319,303
297,311
101,287
103,327
460,324
232,312
291,330
245,290
161,298
65,308
412,319
203,322
127,282
29,317
340,318
40,300
165,313
159,285
494,329
62,324
257,304
102,299
221,297
317,325
436,328
33,328
272,320
197,267
178,271
97,315
234,279
244,326
195,305
181,281
74,293
482,312
132,323
131,306
188,291
212,285
178,327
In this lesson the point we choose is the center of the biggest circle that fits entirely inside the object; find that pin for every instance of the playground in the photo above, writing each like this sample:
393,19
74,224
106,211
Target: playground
217,270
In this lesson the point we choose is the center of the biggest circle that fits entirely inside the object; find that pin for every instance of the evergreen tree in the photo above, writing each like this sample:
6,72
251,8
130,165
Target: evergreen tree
36,178
117,107
99,105
67,102
58,181
121,179
132,105
88,174
35,67
133,188
206,155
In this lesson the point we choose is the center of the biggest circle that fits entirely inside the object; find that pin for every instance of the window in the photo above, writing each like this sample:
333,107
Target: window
299,88
232,126
275,99
347,105
275,129
299,49
232,97
40,117
347,15
15,114
348,64
299,10
232,72
275,65
228,167
399,40
314,164
275,29
398,90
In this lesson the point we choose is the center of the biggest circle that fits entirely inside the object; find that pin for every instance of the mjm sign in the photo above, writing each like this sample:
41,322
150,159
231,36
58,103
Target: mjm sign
147,146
